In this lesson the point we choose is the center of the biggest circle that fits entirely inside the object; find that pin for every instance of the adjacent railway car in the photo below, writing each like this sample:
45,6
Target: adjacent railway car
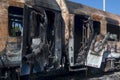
11,33
91,37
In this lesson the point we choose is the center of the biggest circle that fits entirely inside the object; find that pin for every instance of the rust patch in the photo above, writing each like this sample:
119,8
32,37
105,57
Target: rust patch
17,3
97,17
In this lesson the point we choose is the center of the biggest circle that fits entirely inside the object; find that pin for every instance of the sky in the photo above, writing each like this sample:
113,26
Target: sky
112,6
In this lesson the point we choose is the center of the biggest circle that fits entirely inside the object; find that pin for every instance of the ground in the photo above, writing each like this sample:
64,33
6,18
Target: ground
112,76
81,76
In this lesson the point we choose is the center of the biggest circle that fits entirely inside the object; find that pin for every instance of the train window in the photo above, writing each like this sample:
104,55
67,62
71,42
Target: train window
114,31
15,21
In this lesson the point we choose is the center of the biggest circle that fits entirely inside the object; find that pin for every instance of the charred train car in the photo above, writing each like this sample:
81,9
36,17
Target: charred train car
57,35
70,36
63,34
91,37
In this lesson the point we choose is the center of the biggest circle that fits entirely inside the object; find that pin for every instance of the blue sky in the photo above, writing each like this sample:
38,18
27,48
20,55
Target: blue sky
112,6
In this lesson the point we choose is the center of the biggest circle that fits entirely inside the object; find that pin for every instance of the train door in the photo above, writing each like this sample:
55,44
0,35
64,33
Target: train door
42,40
81,32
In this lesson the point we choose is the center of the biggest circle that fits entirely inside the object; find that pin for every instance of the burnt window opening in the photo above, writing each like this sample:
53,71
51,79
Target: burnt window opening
36,24
15,21
114,32
96,27
40,21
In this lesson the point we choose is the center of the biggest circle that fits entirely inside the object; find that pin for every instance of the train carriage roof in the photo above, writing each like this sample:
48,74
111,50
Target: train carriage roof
77,8
51,4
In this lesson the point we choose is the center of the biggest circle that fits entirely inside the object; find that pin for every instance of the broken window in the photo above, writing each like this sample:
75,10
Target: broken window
15,21
114,32
36,24
96,27
42,23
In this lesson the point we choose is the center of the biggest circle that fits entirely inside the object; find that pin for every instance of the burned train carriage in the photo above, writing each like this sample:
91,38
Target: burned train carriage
91,36
70,36
42,37
11,29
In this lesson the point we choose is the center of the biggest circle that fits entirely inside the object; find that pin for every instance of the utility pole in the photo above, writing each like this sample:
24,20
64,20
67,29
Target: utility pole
104,5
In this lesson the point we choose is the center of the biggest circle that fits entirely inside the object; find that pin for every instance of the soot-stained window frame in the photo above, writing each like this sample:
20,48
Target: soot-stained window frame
15,21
